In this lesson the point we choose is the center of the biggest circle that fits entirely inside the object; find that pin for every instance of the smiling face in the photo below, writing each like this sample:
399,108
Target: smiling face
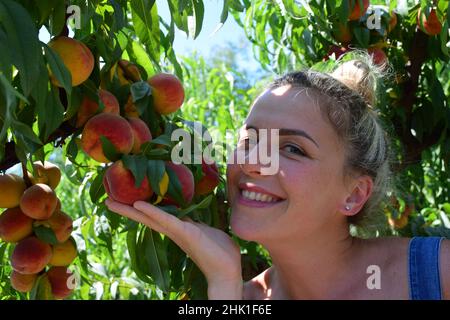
308,190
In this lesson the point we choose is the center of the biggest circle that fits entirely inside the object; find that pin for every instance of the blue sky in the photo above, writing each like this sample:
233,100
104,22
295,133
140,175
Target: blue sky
230,32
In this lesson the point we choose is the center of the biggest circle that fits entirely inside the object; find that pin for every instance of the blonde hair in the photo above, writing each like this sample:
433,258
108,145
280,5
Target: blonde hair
347,97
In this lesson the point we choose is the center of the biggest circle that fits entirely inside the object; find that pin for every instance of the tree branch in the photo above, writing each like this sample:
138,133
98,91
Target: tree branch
58,137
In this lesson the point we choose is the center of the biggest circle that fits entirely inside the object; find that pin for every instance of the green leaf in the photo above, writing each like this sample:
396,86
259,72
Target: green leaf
3,246
224,14
170,209
8,102
146,24
155,172
362,35
5,57
132,251
76,98
137,164
179,17
236,5
446,208
72,149
46,234
139,90
162,139
58,18
203,204
97,189
54,113
42,289
156,153
109,150
174,190
46,8
143,59
196,20
22,39
155,258
59,70
22,130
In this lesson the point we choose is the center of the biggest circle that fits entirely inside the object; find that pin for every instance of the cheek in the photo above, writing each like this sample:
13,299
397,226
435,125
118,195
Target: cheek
305,183
232,174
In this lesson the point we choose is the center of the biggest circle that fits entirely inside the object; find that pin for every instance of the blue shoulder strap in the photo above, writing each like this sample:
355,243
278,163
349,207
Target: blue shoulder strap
424,279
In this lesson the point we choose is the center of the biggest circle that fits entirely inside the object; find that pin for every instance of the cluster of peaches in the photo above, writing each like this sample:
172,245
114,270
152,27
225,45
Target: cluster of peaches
124,128
430,25
28,210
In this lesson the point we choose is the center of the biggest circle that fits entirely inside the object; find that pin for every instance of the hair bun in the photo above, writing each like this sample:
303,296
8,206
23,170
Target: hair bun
359,75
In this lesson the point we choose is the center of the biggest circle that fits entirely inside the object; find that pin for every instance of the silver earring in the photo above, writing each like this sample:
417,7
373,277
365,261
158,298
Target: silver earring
347,207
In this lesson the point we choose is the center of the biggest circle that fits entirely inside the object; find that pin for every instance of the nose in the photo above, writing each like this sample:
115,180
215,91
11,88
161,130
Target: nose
251,165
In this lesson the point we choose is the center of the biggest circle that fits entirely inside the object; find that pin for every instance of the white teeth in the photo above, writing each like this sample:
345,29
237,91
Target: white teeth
257,196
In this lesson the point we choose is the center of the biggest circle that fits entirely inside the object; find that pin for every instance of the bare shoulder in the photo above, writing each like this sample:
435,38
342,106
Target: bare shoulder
256,288
445,268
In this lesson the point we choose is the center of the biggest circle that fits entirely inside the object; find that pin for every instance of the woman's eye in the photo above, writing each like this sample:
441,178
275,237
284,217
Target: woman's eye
293,149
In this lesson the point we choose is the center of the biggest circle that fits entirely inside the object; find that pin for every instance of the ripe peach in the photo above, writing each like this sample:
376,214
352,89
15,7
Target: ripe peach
356,11
38,202
89,108
47,173
378,56
12,188
15,225
31,255
338,51
209,181
64,253
167,92
58,205
431,25
141,133
76,56
23,282
111,126
59,278
186,179
132,72
120,185
60,223
117,70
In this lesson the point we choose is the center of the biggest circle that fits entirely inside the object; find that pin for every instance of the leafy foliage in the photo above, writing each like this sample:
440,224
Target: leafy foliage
119,259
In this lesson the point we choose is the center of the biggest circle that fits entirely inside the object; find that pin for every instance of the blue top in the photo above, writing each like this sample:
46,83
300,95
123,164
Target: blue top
424,275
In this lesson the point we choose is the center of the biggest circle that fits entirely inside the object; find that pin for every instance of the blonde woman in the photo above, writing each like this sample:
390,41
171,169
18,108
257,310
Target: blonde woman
333,173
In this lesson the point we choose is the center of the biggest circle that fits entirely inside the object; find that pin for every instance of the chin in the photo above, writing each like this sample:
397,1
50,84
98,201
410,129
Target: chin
244,228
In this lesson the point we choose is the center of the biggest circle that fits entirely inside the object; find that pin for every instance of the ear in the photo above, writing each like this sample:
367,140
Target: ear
360,191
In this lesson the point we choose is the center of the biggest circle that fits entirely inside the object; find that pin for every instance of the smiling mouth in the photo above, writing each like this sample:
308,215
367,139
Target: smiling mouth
258,197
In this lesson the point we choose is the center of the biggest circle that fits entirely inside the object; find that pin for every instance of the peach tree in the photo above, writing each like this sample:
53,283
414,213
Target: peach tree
99,97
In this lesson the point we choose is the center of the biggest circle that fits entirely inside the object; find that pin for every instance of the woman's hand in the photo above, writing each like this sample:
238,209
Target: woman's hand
212,250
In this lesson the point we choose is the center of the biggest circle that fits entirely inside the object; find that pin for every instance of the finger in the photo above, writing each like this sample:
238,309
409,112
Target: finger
172,226
129,212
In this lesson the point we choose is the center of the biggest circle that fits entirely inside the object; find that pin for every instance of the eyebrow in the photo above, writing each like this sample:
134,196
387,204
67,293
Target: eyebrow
291,132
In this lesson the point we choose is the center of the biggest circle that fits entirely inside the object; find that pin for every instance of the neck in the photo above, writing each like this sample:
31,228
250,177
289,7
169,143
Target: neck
312,267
